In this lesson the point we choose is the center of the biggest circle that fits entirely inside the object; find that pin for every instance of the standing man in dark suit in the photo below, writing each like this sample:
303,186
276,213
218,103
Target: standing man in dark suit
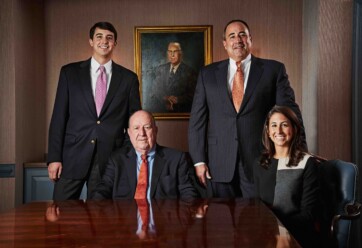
224,137
174,84
86,126
168,169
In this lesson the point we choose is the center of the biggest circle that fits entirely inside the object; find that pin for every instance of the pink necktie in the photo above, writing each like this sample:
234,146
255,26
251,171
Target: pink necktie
101,89
238,87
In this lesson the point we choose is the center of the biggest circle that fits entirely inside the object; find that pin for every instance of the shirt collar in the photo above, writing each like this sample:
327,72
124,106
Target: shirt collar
174,66
95,66
232,62
150,154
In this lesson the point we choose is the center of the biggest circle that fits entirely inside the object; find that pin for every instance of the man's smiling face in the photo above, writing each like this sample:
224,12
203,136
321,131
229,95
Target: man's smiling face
237,41
103,43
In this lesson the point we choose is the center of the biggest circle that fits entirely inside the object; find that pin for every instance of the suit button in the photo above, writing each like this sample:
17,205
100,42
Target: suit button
98,122
93,141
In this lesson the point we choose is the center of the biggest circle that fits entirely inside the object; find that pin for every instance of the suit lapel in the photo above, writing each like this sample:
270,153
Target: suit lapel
256,70
113,87
131,167
158,164
181,69
86,85
222,83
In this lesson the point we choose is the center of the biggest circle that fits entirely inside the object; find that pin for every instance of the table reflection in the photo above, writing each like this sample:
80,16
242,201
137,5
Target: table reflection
167,224
156,223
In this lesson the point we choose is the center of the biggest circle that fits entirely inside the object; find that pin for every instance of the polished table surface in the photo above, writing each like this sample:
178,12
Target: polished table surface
172,223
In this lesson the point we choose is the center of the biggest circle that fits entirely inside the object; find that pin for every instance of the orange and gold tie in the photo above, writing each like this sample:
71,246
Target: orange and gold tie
237,91
141,190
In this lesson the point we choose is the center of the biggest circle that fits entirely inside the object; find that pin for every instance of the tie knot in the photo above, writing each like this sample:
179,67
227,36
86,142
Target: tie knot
101,68
144,157
238,65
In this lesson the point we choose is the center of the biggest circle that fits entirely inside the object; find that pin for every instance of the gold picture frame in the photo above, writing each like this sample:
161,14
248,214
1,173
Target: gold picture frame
152,62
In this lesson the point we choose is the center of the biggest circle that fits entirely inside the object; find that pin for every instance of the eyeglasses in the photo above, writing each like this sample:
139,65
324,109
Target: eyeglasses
173,51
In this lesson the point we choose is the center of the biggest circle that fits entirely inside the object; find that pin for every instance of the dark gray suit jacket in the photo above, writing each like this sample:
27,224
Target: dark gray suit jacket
75,130
170,175
217,131
182,85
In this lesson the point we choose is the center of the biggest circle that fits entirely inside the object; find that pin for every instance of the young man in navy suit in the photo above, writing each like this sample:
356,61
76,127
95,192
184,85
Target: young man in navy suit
168,169
81,135
224,140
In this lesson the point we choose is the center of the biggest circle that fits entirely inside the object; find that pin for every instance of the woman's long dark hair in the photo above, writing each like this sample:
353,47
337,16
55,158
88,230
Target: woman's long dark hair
297,148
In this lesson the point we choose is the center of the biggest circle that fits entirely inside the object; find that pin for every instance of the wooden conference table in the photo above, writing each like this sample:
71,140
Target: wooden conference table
172,223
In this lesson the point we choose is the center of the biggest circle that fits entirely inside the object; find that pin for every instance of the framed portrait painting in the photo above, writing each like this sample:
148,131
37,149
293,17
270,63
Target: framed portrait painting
167,62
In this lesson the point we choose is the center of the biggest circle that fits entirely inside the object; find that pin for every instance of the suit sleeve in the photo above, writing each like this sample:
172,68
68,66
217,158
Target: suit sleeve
256,173
185,185
59,120
188,79
285,97
134,104
104,189
134,97
198,123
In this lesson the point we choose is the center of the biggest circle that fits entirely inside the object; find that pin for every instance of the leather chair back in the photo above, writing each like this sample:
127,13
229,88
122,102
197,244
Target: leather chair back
338,191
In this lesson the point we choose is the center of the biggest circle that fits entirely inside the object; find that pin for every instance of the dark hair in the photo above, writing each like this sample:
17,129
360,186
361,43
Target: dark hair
297,148
232,21
103,25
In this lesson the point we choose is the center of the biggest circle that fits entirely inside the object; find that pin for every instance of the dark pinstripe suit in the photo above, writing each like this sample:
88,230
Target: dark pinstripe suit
217,134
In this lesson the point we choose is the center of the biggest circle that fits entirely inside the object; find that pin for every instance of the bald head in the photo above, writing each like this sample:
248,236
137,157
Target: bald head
142,131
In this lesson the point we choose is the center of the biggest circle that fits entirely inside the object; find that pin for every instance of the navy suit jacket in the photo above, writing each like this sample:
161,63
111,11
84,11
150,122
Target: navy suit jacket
75,130
217,132
170,176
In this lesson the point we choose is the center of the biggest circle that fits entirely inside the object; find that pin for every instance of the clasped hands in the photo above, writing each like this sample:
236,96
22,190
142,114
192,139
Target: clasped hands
170,101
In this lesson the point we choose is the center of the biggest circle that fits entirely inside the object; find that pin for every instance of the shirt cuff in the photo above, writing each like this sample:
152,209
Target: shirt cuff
199,163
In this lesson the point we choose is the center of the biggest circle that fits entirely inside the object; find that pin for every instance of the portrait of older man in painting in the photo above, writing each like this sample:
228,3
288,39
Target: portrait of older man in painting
168,62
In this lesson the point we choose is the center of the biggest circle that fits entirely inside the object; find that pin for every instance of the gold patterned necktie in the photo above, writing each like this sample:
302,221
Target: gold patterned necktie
142,184
237,91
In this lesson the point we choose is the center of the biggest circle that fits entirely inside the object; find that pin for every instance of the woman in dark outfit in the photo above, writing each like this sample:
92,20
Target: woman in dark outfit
286,177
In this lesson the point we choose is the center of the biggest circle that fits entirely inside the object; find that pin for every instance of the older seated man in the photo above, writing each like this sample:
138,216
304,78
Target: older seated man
146,170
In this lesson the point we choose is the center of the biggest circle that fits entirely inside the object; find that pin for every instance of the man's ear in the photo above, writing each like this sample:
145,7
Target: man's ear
224,44
91,42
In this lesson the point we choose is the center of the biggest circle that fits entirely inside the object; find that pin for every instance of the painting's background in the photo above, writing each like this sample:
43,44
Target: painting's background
154,53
